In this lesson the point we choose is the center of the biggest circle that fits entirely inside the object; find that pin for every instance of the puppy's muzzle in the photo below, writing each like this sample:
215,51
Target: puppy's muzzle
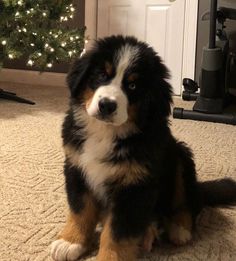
107,107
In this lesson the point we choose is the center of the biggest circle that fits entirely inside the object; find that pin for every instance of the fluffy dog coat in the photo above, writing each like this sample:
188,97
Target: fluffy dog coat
123,166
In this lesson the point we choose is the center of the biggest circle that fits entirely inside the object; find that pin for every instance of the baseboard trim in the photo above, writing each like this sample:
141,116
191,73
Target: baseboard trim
32,77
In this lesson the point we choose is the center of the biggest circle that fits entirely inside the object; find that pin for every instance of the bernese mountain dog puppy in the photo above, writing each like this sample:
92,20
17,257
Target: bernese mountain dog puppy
122,166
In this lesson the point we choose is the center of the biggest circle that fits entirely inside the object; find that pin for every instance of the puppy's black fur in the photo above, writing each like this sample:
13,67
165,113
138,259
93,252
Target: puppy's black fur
171,186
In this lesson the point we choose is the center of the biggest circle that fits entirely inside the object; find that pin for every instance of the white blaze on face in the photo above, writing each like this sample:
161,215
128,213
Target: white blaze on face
124,58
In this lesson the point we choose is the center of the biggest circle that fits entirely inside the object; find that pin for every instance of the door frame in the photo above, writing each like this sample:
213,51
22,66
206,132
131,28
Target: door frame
190,32
190,39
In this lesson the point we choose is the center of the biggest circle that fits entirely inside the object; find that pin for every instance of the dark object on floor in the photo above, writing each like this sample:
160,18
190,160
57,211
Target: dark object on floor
12,96
214,80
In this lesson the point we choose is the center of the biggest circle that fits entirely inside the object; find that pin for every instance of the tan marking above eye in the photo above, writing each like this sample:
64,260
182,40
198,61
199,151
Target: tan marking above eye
132,112
132,77
108,68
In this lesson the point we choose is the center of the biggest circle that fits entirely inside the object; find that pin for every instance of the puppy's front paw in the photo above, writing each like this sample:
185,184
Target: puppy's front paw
62,250
179,235
149,237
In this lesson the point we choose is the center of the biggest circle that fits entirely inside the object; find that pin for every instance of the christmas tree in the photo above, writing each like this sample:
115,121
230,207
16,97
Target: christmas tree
37,31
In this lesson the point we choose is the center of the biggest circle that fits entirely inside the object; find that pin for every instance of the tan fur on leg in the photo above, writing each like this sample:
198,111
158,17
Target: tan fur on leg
180,228
75,238
112,250
180,225
79,227
149,237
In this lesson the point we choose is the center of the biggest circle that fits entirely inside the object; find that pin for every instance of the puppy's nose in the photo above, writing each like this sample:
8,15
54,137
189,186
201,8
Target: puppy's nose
107,106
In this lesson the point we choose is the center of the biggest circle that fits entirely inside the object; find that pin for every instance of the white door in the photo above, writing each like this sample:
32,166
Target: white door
158,22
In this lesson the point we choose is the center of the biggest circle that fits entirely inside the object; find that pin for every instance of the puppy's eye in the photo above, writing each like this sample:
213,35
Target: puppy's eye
102,76
132,86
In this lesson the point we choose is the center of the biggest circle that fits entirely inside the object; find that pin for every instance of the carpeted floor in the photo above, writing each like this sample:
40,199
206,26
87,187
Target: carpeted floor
32,199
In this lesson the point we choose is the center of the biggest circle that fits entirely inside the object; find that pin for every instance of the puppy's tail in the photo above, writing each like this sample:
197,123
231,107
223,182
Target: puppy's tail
218,193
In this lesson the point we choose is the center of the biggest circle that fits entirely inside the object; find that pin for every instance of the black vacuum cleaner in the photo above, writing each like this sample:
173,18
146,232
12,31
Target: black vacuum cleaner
214,94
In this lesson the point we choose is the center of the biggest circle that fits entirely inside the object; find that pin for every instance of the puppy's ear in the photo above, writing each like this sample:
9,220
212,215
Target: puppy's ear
163,90
157,102
165,98
77,74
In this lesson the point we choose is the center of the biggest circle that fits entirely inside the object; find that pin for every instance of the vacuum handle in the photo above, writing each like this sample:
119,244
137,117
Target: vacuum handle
213,17
228,13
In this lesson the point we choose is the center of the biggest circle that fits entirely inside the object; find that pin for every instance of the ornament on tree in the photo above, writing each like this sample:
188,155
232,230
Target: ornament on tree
36,30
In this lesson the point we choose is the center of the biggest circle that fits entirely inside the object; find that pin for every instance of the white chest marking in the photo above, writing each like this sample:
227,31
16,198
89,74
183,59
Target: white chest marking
98,145
95,150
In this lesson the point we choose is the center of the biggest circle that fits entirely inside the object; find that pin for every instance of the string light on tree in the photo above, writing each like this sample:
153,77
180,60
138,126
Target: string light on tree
30,62
38,31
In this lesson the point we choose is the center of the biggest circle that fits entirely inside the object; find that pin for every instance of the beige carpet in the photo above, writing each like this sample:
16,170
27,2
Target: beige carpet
32,198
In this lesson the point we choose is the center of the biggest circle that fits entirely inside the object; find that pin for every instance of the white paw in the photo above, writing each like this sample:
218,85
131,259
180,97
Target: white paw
179,235
62,250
